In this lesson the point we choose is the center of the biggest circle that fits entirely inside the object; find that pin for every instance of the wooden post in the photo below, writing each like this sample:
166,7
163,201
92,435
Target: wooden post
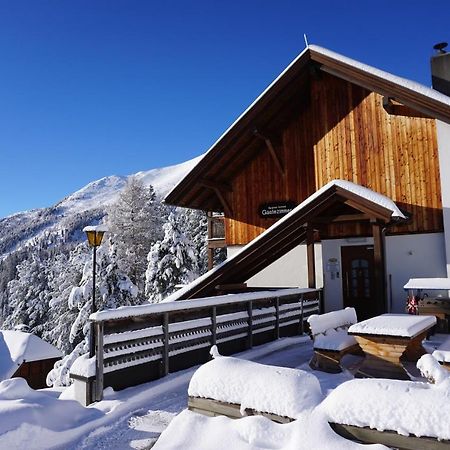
165,355
321,302
302,327
250,325
210,258
214,325
277,318
210,236
379,267
99,362
311,257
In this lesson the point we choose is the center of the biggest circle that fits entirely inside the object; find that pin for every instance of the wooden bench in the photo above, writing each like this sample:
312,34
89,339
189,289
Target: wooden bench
442,353
331,340
213,408
236,388
366,435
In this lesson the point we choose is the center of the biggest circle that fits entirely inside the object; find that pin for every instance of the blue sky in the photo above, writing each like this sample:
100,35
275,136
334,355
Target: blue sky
95,88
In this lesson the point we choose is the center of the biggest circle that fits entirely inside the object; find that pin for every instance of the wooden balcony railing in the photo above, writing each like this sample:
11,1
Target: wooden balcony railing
142,343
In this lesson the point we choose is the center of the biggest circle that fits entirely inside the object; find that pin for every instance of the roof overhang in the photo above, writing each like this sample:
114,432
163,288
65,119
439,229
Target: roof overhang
291,231
238,144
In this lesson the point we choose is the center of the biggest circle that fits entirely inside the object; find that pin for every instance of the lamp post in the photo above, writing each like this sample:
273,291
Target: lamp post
95,236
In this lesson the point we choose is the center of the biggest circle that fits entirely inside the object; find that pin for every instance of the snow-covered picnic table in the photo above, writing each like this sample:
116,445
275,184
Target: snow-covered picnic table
386,338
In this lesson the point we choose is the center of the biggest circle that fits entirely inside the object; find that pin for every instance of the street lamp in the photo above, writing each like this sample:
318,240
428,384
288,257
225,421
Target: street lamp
95,236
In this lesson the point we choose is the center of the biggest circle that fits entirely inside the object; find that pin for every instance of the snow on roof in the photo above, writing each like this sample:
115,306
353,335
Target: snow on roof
406,407
394,79
363,192
354,188
428,283
277,390
17,347
405,325
141,310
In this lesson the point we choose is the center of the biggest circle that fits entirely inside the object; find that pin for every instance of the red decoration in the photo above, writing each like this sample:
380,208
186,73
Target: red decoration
412,304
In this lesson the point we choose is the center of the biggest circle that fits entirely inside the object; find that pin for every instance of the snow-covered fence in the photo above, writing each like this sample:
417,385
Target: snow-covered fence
141,343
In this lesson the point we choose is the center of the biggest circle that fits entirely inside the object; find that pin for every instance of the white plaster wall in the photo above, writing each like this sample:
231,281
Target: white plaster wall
288,271
443,139
412,256
409,256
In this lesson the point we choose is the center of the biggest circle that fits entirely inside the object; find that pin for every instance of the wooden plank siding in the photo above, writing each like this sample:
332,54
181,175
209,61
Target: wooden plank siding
341,130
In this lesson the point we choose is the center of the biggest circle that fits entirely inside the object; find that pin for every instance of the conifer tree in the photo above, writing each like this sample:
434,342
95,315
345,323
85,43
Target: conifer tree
171,261
134,223
113,289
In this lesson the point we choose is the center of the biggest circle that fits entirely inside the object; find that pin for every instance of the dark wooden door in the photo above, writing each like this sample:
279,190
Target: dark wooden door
358,280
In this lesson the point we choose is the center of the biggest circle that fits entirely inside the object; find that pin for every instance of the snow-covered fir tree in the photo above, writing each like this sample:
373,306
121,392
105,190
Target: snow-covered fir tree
135,222
195,224
171,261
29,295
113,289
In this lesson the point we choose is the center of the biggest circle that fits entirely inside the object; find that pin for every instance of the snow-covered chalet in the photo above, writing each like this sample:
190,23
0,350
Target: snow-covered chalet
336,176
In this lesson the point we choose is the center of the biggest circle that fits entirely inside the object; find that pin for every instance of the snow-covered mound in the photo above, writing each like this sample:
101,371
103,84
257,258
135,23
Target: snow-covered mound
36,410
278,390
406,407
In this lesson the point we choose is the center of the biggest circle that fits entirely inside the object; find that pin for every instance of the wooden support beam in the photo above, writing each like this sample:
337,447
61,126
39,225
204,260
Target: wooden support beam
342,218
250,324
397,109
99,362
276,158
210,258
311,257
165,349
219,189
379,267
224,187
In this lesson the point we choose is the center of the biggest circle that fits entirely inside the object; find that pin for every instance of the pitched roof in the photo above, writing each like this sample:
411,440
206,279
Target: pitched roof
224,157
289,232
17,347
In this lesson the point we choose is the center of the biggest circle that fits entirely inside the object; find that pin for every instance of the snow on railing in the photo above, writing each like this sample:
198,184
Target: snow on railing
145,342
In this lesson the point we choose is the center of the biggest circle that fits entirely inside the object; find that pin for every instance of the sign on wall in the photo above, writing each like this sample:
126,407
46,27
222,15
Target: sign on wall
276,209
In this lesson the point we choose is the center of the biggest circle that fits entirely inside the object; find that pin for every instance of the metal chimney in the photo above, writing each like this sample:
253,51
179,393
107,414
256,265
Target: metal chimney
440,69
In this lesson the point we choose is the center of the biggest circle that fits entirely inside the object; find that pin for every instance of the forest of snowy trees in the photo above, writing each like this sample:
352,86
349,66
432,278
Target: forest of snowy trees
150,249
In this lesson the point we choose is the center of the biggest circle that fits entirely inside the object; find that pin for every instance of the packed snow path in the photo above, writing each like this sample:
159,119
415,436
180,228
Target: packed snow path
152,406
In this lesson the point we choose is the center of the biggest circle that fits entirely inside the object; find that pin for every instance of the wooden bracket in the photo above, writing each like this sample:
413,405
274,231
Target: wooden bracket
219,189
215,185
395,108
276,158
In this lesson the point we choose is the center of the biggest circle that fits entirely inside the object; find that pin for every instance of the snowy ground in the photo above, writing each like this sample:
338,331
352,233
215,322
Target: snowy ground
133,418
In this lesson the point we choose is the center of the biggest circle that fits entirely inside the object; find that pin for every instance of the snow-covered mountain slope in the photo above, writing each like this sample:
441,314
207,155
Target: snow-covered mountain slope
88,204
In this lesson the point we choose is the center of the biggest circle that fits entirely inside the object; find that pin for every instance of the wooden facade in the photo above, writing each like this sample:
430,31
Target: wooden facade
342,131
35,372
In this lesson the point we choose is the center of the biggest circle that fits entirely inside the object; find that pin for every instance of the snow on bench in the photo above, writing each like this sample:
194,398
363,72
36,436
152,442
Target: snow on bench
236,388
401,410
331,340
442,353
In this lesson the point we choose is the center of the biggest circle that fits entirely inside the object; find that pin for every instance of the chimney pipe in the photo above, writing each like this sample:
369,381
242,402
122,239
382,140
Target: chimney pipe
440,69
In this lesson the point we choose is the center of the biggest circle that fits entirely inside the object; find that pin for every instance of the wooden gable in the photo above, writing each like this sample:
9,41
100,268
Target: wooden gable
323,119
344,133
